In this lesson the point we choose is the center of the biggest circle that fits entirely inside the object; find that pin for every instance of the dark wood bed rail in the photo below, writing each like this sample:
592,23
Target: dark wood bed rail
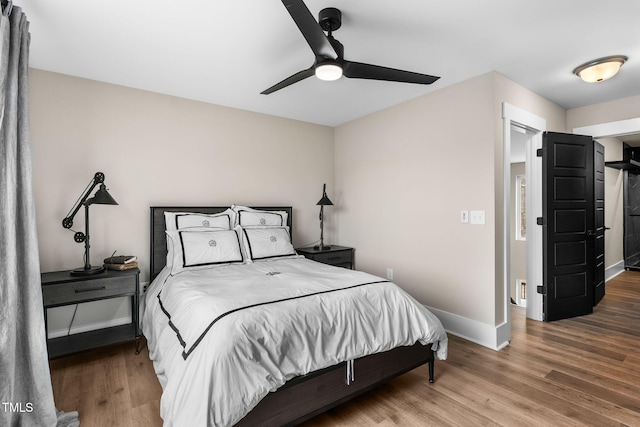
304,397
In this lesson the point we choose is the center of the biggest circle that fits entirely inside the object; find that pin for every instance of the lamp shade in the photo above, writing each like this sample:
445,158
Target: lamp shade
102,197
325,201
600,69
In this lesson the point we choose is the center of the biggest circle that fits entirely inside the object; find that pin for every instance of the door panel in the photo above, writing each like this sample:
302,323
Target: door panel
568,228
570,286
570,253
598,166
570,221
570,188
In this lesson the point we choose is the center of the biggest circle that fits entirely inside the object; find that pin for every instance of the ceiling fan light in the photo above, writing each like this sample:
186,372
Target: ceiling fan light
600,69
328,71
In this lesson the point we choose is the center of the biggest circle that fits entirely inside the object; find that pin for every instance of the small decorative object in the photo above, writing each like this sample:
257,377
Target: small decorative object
121,267
121,262
120,259
101,197
322,203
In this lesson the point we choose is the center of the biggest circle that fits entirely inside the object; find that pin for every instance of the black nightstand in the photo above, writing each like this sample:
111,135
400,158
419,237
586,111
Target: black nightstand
340,256
60,288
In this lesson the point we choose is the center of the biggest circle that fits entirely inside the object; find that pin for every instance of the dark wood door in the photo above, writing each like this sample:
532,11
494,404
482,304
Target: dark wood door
598,170
568,205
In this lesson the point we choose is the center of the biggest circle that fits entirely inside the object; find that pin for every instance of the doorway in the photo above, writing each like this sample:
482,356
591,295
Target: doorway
517,214
611,135
522,129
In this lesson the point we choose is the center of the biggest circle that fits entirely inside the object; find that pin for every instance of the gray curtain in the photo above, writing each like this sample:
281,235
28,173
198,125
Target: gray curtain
26,396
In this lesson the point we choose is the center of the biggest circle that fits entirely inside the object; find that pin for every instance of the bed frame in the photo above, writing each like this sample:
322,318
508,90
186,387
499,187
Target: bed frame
306,396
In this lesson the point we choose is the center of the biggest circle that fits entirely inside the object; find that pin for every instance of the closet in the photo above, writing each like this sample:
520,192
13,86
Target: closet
630,164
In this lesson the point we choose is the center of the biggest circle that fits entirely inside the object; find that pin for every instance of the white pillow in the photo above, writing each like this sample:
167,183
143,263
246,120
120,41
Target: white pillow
182,220
267,242
249,217
200,249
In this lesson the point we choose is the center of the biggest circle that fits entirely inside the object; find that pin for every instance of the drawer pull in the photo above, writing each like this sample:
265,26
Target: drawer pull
333,258
100,288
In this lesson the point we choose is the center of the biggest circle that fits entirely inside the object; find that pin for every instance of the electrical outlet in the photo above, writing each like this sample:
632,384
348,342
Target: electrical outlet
464,217
389,273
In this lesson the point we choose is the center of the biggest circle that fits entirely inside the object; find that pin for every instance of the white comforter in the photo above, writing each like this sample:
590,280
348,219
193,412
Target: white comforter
238,332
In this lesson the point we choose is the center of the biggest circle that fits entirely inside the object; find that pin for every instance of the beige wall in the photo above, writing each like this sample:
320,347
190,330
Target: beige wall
161,150
613,111
614,206
402,177
404,174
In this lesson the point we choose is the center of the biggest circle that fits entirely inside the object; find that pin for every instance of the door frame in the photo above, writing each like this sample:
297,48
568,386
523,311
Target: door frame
535,126
603,130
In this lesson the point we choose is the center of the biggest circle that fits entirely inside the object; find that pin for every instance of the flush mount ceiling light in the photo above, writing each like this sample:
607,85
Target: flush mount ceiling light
601,69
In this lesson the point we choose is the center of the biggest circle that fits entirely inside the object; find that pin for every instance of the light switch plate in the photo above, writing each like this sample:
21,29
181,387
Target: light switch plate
477,217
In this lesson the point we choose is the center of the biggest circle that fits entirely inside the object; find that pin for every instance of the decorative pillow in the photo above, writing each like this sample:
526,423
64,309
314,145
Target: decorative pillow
200,249
248,217
182,220
267,242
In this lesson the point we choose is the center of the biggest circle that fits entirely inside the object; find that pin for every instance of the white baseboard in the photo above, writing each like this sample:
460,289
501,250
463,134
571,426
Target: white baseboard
613,271
493,337
89,327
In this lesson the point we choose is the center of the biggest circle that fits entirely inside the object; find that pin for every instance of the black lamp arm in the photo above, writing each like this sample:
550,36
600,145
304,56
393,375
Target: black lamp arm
67,222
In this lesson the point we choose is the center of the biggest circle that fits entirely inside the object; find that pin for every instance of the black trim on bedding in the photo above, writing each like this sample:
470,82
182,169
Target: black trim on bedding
246,237
186,353
178,215
229,261
174,327
266,213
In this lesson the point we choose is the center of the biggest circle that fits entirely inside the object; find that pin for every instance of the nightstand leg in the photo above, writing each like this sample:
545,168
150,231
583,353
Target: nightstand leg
138,345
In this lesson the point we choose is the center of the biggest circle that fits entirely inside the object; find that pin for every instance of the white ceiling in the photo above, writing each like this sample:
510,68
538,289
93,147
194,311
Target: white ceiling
227,51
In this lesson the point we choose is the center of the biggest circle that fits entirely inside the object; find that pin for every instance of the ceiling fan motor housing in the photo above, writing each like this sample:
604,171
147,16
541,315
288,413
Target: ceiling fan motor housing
330,19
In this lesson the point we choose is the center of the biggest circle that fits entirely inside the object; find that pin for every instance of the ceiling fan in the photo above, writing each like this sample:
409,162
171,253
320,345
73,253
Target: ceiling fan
329,52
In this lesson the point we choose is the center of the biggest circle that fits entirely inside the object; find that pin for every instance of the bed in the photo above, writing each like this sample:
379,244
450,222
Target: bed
263,339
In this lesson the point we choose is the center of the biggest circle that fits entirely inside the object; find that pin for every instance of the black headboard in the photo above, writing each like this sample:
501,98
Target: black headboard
158,256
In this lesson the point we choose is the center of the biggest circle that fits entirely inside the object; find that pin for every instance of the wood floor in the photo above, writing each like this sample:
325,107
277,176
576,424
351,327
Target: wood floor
577,372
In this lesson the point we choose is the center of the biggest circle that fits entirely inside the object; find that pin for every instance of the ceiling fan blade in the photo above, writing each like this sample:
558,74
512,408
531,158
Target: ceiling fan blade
358,70
301,75
310,29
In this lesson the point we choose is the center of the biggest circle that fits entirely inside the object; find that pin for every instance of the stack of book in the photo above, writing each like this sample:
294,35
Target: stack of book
121,262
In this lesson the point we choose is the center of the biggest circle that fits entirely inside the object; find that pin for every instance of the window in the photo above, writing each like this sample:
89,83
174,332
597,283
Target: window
521,207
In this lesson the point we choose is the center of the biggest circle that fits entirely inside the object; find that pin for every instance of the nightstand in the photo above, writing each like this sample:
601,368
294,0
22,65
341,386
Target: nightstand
60,288
340,256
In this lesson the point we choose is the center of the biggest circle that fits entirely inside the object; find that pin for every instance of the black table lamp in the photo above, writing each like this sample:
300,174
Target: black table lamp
101,197
322,203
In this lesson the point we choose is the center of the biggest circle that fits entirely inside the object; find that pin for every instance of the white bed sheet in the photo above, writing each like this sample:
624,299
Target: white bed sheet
215,366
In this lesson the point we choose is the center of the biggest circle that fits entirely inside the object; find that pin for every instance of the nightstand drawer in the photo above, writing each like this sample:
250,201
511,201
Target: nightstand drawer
333,258
88,290
340,256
